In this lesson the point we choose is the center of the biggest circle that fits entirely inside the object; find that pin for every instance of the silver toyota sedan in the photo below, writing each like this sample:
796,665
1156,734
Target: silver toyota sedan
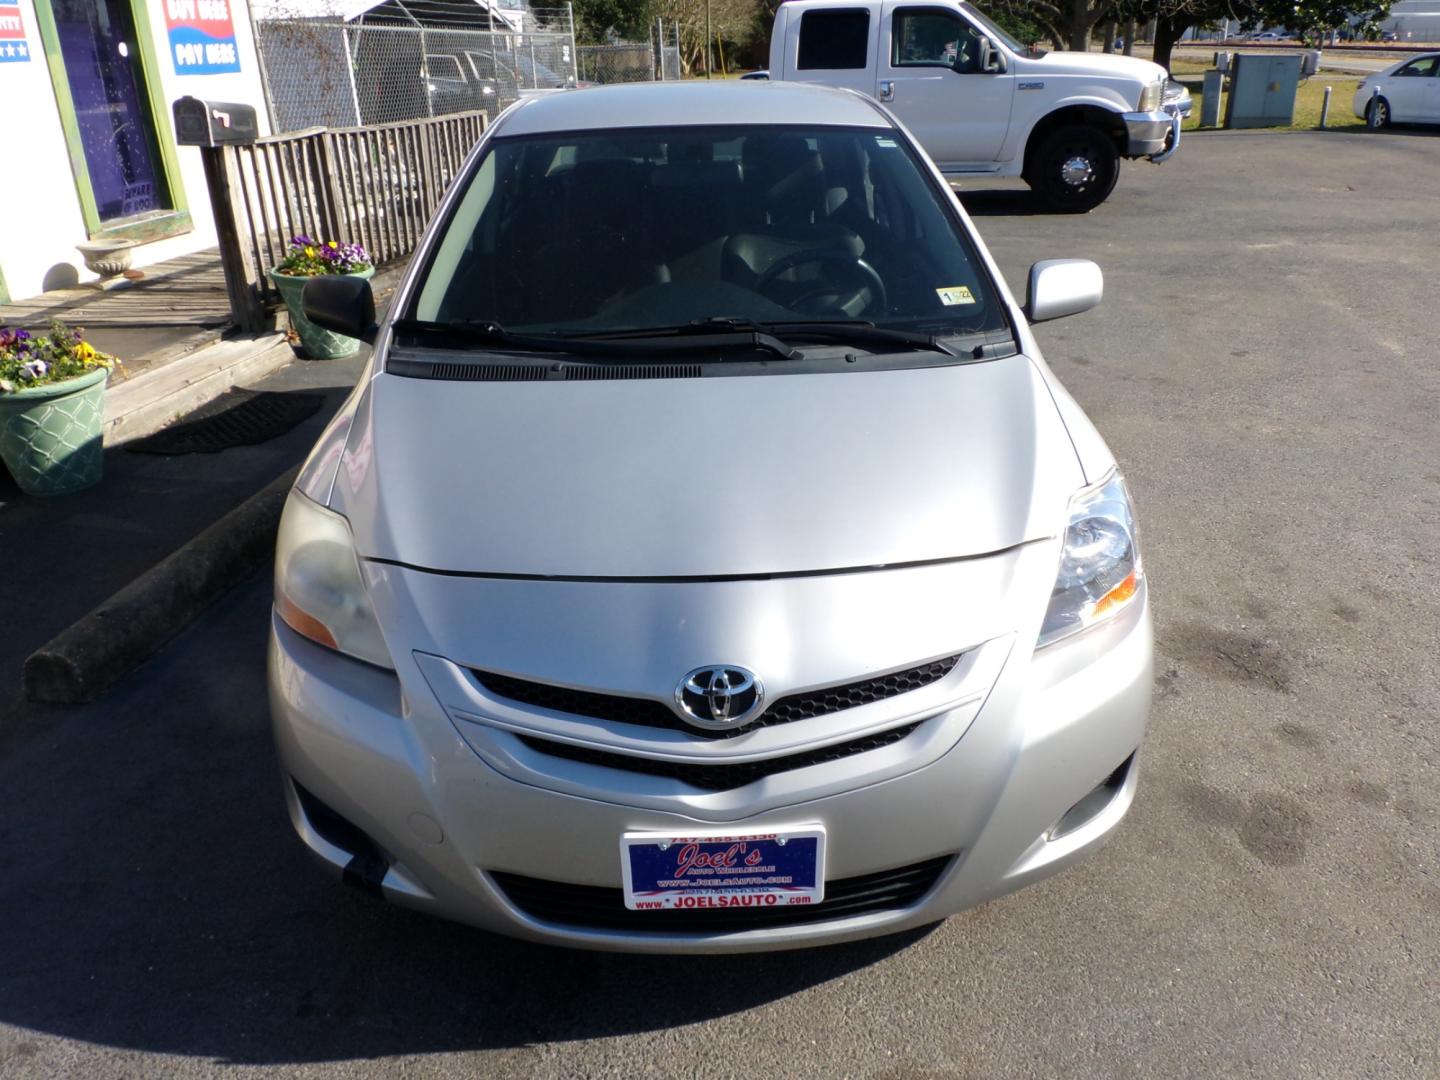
707,560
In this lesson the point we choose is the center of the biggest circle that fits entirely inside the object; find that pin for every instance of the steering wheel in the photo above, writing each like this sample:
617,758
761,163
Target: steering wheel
810,290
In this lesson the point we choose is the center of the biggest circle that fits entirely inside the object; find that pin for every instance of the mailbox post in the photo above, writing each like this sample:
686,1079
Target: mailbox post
212,126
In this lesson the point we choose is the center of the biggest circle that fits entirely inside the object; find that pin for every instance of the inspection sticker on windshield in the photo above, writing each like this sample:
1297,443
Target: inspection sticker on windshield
955,294
751,870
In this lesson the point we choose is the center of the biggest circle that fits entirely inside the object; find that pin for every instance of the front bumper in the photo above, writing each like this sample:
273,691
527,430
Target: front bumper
1153,135
432,808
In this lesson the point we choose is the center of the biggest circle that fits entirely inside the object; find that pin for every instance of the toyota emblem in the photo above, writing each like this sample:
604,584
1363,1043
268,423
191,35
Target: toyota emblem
719,698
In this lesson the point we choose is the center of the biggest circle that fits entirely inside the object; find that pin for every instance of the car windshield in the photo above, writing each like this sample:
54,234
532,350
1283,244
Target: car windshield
642,229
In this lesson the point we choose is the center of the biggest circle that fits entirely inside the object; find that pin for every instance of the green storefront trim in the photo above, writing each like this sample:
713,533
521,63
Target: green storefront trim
153,226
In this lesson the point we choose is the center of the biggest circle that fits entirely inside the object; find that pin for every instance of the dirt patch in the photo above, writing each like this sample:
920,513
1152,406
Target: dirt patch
1276,830
1300,735
1368,792
1232,655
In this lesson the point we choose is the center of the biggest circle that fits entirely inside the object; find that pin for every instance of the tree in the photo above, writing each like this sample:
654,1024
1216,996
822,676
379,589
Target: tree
1311,18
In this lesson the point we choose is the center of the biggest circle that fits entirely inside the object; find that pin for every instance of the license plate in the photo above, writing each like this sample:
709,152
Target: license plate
739,871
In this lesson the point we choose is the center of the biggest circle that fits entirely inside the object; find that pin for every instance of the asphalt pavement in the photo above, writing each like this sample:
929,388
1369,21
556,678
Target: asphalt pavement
1265,367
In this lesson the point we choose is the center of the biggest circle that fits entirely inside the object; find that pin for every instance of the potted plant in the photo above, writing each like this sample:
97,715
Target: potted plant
309,258
52,403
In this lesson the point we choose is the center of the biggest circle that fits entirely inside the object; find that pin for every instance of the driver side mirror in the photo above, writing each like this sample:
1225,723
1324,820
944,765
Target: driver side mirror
992,60
1060,287
342,303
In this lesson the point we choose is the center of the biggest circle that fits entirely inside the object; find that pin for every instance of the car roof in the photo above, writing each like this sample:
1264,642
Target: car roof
691,104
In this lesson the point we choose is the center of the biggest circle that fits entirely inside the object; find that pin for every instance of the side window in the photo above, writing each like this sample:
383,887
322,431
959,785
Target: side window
444,67
833,40
1422,67
924,37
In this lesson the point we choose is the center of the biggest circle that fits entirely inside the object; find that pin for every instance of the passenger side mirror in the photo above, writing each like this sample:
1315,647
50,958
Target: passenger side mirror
341,303
1060,287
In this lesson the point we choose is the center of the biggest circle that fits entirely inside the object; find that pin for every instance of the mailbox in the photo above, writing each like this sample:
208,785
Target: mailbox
214,123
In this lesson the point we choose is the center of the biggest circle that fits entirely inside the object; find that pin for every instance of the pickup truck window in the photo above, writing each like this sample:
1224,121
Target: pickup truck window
993,30
444,67
925,37
834,40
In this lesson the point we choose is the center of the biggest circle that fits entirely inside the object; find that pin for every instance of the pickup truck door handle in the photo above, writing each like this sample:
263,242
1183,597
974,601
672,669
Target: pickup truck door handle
887,90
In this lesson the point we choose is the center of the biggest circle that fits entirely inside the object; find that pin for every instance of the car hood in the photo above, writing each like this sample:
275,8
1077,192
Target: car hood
706,477
1111,64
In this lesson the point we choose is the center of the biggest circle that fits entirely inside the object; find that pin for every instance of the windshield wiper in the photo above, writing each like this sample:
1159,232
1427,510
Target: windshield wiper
842,331
618,344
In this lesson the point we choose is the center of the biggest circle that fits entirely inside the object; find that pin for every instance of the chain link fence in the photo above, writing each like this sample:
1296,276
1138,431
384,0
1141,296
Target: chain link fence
617,63
326,72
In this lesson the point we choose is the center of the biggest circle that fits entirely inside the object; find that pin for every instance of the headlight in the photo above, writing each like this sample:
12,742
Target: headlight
1100,570
1151,96
318,589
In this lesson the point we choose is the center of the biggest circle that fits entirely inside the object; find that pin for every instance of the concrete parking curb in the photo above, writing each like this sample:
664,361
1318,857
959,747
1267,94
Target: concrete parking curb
143,405
88,657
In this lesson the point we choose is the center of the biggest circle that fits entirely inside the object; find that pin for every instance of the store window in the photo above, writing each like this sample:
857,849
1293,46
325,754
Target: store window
117,133
105,75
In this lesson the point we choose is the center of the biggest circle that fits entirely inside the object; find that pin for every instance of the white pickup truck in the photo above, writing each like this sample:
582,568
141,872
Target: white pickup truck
976,100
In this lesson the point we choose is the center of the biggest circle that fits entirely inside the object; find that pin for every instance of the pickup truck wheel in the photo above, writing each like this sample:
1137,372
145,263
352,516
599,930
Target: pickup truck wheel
1074,168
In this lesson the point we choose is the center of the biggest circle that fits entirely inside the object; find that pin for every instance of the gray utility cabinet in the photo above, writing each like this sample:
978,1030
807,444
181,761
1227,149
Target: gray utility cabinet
1262,90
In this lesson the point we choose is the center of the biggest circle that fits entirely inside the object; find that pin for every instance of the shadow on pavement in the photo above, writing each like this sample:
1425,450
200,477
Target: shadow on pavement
156,899
1004,202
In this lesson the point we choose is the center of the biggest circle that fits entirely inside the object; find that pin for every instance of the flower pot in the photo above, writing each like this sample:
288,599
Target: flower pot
50,436
108,258
315,342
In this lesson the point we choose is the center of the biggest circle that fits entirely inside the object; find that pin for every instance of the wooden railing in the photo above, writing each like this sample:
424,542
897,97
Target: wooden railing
376,185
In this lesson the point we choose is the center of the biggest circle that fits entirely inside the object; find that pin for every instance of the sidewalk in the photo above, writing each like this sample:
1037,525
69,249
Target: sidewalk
176,307
67,555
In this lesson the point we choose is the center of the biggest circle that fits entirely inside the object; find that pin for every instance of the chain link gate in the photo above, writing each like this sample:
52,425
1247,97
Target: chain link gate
327,72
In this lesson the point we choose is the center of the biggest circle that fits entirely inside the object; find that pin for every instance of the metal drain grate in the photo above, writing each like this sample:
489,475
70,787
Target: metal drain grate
236,418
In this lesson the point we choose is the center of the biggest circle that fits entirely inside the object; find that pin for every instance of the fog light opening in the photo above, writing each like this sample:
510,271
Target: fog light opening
1088,808
368,864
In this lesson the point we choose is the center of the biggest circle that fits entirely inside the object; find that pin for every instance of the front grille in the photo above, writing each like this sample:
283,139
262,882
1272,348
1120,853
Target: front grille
720,776
593,908
646,712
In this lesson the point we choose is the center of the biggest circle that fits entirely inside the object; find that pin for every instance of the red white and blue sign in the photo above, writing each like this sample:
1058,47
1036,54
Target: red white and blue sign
755,870
202,37
14,45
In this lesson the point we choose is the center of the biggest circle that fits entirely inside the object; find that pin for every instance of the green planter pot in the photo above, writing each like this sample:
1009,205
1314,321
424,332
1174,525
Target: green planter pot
316,343
50,436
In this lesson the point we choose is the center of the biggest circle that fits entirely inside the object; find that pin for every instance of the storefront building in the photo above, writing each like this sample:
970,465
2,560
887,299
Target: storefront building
86,88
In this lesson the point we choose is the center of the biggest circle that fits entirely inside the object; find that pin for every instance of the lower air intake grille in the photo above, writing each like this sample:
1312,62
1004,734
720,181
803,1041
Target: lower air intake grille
718,777
594,908
646,712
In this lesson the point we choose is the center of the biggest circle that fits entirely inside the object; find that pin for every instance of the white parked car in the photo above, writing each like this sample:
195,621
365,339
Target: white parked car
1407,92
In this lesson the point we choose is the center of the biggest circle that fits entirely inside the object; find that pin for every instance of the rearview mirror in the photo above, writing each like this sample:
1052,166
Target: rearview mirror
1060,287
342,303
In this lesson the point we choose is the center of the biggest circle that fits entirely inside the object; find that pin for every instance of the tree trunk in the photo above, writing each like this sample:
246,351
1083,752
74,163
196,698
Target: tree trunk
1079,26
1108,31
1168,30
1129,37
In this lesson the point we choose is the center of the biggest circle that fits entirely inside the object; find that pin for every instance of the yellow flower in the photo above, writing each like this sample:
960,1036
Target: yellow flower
332,244
310,251
85,351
